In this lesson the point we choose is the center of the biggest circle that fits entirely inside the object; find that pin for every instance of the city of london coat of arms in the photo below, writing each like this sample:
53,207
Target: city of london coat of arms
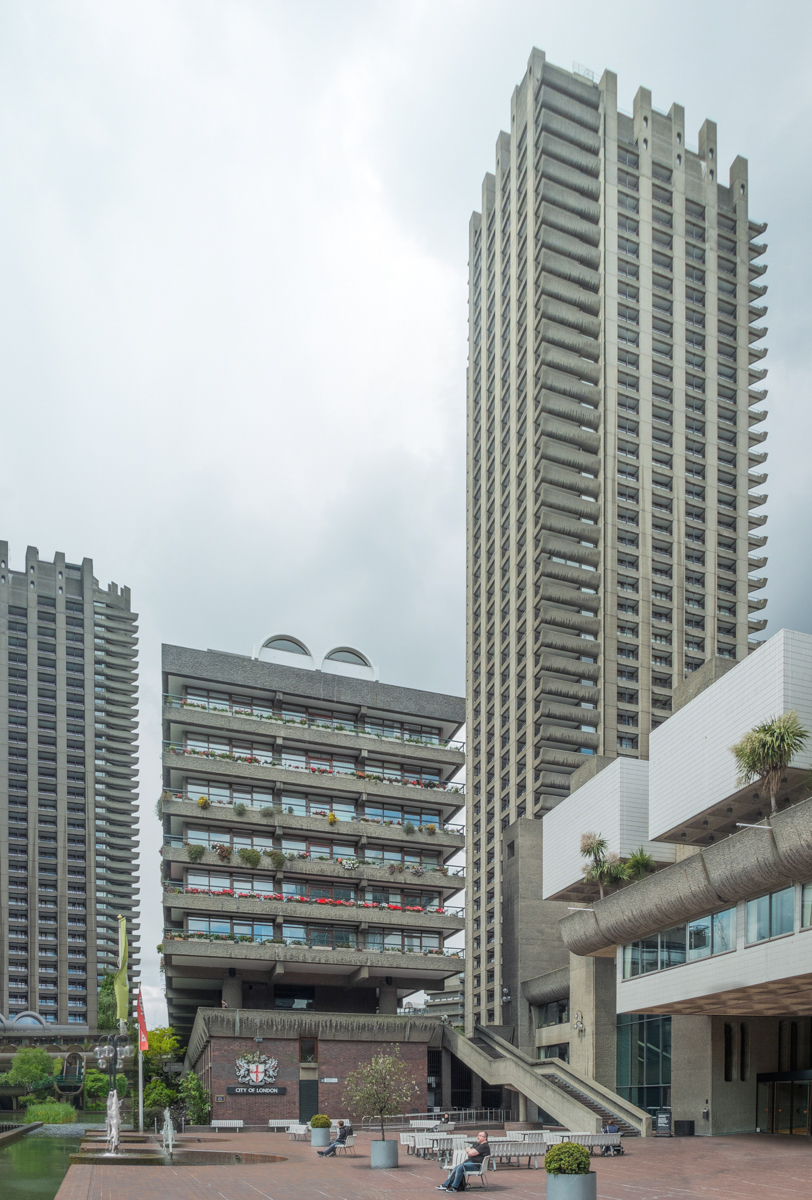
256,1069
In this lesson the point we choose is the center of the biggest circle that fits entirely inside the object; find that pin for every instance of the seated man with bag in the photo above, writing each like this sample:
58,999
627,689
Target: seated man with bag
476,1153
344,1131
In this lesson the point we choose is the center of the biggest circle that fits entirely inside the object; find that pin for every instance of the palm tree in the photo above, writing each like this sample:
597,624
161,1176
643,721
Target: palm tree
603,868
639,864
765,752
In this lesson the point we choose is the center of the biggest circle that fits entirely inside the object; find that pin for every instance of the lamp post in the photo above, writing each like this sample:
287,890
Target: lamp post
112,1052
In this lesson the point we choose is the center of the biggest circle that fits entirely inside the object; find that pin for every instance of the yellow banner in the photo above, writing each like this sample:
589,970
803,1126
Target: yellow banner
121,986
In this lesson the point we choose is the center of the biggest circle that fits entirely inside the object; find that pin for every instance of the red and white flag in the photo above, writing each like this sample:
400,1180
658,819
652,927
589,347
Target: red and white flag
143,1040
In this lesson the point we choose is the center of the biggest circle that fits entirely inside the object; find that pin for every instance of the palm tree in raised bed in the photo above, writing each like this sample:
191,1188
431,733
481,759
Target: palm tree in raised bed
604,868
764,753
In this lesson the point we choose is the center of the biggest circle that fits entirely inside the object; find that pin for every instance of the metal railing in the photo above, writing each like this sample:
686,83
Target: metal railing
265,759
335,724
460,1116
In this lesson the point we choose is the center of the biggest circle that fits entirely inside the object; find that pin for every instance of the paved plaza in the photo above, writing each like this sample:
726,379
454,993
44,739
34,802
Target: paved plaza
747,1167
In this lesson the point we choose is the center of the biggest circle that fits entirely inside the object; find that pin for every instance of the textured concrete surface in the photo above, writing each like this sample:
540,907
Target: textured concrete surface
736,1168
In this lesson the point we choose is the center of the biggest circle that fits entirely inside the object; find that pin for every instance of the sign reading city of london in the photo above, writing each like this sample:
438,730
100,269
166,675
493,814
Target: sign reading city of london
256,1072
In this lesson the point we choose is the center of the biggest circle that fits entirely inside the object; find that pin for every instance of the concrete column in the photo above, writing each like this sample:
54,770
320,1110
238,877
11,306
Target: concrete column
445,1078
232,990
522,1107
476,1090
592,994
387,999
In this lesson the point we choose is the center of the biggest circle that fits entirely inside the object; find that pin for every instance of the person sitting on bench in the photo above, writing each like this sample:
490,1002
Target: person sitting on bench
609,1127
344,1131
476,1153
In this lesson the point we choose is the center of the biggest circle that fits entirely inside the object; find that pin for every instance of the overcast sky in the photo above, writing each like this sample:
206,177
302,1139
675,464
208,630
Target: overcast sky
233,243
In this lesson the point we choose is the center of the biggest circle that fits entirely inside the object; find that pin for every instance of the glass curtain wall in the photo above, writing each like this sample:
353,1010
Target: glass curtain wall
644,1060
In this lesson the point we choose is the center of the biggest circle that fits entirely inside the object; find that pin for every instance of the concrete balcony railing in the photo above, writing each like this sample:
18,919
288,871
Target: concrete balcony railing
390,962
345,912
228,716
446,880
338,782
281,822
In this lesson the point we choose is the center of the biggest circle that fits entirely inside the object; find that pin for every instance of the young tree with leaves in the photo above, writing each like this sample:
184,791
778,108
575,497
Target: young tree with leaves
380,1088
196,1099
29,1065
764,753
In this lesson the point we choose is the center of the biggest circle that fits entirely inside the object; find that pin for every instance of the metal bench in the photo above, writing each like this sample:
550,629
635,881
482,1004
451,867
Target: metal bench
296,1131
218,1125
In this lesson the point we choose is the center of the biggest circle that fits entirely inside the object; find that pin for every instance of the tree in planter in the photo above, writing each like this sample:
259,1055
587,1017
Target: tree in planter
196,1099
380,1088
603,868
764,753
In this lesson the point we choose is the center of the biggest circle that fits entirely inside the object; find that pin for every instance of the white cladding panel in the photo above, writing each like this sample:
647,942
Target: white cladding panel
614,804
691,767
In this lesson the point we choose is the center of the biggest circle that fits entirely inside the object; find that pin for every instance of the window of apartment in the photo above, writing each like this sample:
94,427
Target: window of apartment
554,1013
631,203
771,916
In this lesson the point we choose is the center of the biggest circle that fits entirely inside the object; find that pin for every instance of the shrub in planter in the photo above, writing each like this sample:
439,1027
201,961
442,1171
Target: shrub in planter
277,859
320,1121
195,853
223,851
203,802
249,856
408,829
267,812
567,1159
332,818
239,810
430,829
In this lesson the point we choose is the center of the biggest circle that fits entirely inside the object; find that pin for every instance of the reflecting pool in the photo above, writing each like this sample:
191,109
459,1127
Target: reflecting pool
34,1167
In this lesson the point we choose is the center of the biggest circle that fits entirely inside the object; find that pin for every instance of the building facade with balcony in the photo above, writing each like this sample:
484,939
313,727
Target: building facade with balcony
68,787
698,978
615,467
310,833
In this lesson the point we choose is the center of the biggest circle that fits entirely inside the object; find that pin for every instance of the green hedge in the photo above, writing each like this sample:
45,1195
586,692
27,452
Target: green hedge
567,1159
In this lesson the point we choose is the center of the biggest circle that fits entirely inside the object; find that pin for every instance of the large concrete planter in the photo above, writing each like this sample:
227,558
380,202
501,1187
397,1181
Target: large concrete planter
320,1137
572,1187
383,1154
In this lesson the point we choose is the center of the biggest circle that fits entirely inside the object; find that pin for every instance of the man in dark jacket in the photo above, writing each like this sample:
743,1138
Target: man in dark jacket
344,1131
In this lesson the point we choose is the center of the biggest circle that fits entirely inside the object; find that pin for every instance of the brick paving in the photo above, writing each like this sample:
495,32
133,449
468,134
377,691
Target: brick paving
747,1167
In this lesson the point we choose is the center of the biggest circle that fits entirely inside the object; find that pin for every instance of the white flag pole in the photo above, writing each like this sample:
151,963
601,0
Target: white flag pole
140,1091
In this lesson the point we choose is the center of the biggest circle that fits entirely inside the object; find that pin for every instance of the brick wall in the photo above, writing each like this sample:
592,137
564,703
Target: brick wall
336,1060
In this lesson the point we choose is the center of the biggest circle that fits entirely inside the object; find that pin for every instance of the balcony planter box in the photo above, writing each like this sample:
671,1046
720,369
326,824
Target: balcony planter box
383,1154
320,1137
572,1187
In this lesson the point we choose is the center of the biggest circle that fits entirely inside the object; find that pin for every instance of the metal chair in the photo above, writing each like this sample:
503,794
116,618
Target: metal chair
479,1171
349,1144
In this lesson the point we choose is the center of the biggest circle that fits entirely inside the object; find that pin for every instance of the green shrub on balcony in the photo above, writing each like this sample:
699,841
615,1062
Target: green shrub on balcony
195,853
249,856
277,859
203,802
239,810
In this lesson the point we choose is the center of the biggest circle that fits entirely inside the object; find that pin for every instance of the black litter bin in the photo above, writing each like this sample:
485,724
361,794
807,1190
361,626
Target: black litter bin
683,1129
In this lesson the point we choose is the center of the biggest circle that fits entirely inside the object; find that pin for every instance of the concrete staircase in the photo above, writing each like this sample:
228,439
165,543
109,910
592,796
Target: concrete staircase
573,1099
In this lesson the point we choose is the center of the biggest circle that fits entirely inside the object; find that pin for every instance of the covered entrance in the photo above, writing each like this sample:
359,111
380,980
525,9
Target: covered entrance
783,1102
